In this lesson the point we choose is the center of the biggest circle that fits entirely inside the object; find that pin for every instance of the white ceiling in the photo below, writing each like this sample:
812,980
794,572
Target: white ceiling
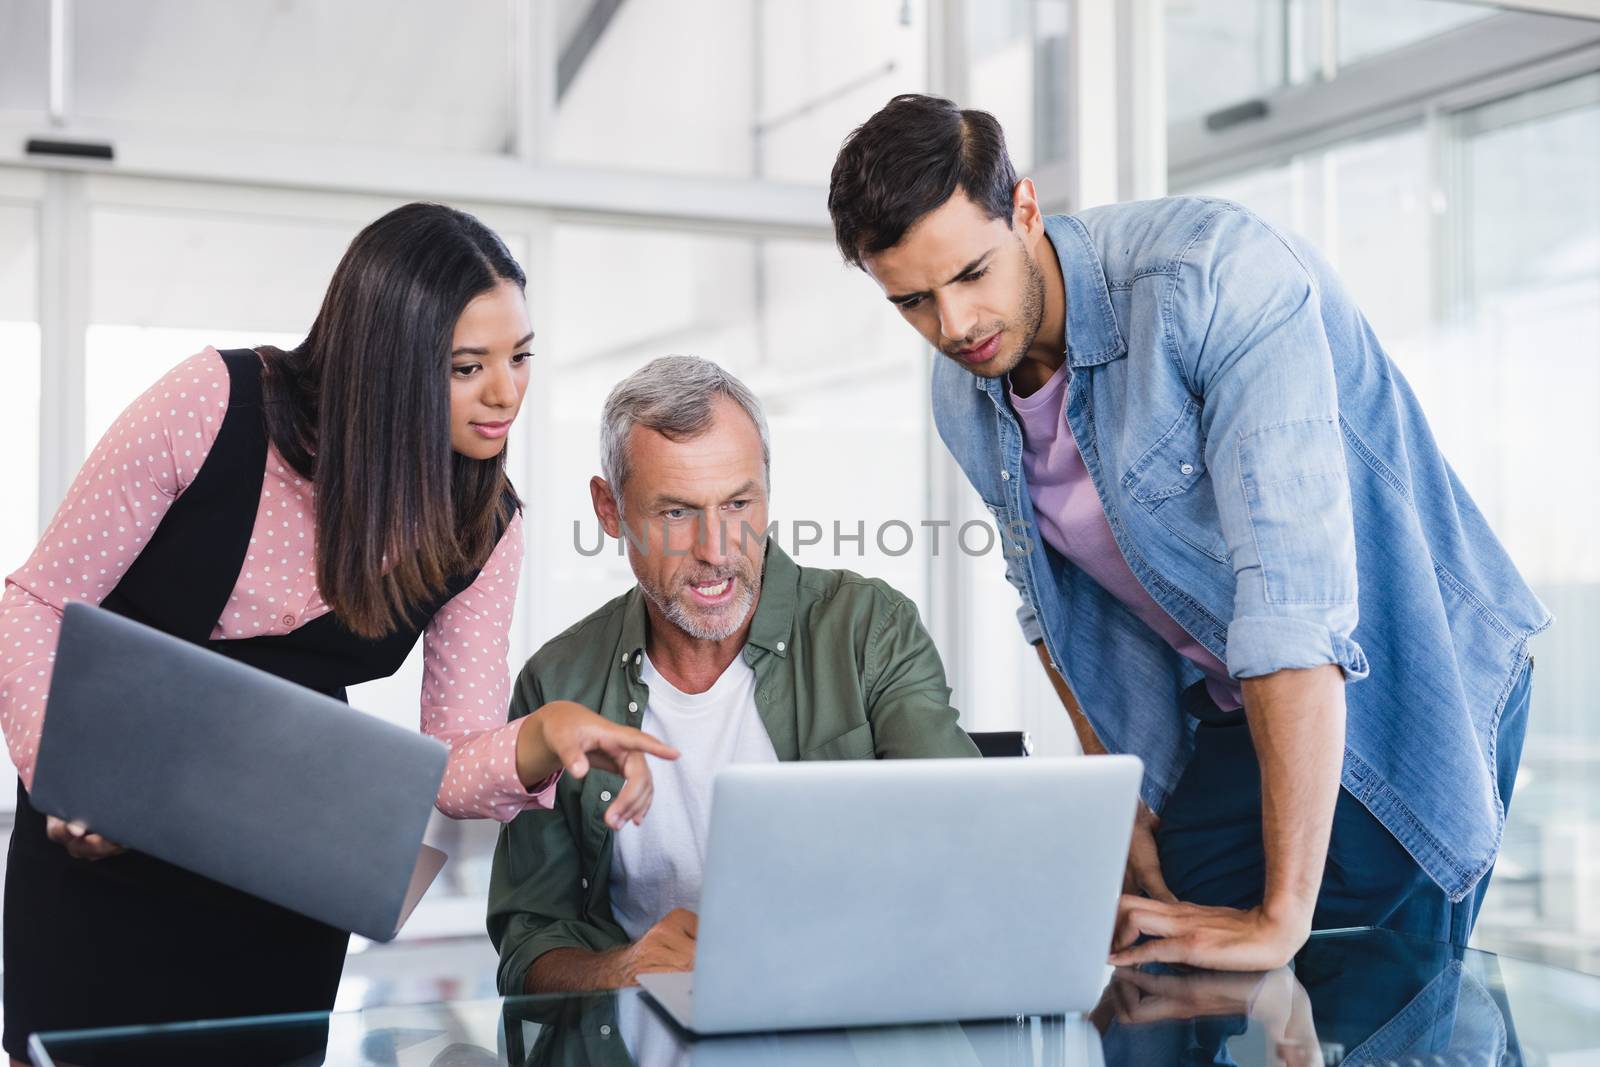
355,71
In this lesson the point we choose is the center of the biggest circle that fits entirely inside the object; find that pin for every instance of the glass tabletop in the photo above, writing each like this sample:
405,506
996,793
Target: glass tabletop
1350,997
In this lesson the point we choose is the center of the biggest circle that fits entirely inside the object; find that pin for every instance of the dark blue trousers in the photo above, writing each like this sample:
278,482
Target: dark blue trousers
1210,836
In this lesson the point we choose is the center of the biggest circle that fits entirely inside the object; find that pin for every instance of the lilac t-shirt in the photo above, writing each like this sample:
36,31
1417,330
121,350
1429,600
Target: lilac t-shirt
1071,521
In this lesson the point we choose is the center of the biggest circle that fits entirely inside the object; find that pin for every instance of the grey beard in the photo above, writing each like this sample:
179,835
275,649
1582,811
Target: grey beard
684,619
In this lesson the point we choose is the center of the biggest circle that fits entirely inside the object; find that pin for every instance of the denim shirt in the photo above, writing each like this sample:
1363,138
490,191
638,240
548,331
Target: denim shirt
1271,480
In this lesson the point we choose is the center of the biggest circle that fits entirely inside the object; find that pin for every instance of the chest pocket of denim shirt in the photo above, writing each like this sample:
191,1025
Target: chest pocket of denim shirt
1170,482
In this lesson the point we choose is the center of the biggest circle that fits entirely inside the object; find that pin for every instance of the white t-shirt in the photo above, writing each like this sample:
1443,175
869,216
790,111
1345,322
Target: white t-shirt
658,866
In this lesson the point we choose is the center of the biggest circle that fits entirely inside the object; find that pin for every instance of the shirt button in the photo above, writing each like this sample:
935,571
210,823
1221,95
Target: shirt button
288,620
605,794
1186,469
781,646
605,1031
1005,476
624,657
637,657
585,882
633,705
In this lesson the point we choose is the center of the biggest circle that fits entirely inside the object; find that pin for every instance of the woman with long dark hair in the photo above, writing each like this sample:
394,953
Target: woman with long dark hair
311,512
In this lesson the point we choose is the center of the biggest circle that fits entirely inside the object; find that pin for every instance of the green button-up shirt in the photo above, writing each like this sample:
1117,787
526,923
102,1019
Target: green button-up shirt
844,670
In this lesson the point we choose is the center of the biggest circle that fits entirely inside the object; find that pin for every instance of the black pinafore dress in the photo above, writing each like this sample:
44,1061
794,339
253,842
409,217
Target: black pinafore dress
130,940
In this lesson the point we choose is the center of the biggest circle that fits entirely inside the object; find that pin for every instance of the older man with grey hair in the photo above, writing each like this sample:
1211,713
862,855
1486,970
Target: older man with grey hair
727,650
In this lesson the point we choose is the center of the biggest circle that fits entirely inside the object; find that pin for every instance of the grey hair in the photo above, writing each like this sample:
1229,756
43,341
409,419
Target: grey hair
671,395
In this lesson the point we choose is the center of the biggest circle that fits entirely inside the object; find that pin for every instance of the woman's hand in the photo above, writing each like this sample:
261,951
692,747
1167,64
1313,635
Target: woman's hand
78,841
565,735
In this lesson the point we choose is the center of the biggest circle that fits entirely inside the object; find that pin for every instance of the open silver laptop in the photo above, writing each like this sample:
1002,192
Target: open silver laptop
238,775
864,893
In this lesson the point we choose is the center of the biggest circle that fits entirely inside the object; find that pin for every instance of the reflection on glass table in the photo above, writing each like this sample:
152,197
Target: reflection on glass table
1355,997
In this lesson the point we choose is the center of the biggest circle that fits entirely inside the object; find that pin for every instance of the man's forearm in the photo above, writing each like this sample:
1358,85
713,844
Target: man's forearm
1087,739
1297,720
577,970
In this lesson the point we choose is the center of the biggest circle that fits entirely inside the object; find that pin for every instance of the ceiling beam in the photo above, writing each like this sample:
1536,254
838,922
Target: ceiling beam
599,193
576,50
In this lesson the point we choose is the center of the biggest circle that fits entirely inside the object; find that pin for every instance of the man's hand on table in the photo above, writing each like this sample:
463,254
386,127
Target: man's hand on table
666,946
1225,939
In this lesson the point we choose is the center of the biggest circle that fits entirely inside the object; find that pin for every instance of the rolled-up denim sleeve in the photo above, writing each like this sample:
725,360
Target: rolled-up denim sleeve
1249,318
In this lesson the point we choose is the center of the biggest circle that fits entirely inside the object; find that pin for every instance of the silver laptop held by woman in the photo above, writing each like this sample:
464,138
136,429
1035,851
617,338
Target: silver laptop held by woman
235,774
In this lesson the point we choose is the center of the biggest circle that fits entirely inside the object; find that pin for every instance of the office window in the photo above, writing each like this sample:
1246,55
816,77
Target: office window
19,371
1219,54
1371,27
825,67
1222,54
1017,56
19,399
166,284
24,57
737,88
1527,174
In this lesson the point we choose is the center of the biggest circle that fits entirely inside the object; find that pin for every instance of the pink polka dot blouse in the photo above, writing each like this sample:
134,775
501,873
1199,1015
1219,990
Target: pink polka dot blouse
144,462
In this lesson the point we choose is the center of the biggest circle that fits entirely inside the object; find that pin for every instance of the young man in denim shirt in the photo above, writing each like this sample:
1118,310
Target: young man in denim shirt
1233,508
